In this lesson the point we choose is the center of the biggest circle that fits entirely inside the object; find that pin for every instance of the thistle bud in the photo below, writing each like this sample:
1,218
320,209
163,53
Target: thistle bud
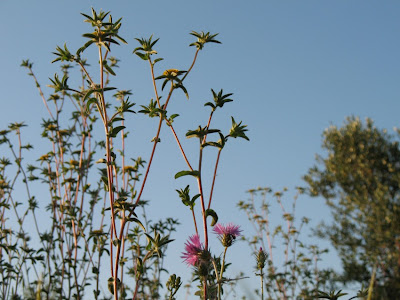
261,257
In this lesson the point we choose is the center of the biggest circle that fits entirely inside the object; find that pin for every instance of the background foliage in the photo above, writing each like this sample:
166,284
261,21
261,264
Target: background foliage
359,177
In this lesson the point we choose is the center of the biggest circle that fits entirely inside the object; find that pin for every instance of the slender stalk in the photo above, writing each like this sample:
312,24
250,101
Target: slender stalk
180,146
262,284
194,221
124,221
200,187
371,283
80,170
217,277
153,79
208,126
203,210
75,260
108,143
216,163
221,273
214,177
191,67
138,278
187,162
86,72
110,175
41,93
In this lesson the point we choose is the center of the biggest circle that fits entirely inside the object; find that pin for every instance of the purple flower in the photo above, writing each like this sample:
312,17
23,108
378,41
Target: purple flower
193,250
227,234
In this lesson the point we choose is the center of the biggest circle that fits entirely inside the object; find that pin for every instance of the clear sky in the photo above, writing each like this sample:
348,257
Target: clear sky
295,67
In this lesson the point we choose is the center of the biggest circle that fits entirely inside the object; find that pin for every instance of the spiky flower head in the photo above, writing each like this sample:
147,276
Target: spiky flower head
195,251
227,234
261,257
202,269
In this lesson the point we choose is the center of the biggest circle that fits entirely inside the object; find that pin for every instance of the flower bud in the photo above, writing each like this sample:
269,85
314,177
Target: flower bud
261,257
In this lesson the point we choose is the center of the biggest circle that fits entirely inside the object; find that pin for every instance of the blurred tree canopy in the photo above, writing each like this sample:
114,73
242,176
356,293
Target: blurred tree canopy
360,181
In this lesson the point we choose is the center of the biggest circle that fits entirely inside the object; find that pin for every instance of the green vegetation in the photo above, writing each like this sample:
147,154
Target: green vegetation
101,242
359,177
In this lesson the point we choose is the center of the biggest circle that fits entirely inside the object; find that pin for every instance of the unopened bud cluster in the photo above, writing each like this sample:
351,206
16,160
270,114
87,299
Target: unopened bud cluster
261,257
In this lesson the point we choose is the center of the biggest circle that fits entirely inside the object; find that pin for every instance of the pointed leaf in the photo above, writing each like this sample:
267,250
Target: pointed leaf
185,173
213,214
115,131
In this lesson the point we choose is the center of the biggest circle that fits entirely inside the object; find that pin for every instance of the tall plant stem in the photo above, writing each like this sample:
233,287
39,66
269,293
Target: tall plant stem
110,174
217,276
214,177
75,260
192,65
194,221
138,279
262,284
208,126
86,72
153,79
124,221
189,165
180,146
41,93
220,274
108,144
216,163
203,210
80,171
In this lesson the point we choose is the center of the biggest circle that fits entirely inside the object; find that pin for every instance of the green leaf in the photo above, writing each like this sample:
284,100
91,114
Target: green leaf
110,285
117,119
88,93
90,101
180,86
108,68
142,56
200,132
210,104
213,144
137,221
108,89
238,130
213,214
185,173
105,182
115,131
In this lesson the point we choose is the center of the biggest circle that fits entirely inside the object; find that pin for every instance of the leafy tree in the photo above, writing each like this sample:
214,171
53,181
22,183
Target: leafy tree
360,180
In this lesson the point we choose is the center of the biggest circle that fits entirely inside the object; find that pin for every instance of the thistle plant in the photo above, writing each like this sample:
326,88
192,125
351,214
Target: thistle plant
98,223
227,236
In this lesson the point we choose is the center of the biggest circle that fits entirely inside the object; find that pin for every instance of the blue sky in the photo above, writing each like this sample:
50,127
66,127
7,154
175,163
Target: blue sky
295,67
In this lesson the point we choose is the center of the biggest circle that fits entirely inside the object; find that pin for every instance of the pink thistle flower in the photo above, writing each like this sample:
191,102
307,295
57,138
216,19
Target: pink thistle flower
193,250
227,234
